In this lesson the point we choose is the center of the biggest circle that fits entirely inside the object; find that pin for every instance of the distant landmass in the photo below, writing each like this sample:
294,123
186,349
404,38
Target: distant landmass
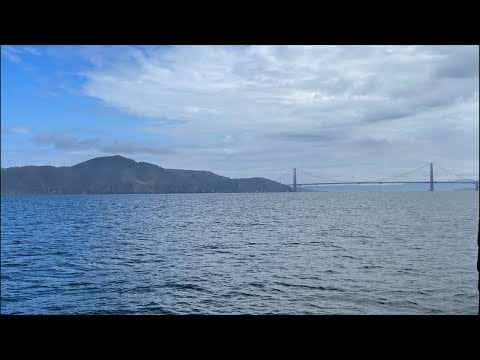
120,175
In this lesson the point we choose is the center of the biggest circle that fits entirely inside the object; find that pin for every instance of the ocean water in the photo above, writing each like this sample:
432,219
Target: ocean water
263,253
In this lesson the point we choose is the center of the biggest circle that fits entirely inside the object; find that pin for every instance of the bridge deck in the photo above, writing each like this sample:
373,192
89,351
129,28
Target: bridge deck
386,182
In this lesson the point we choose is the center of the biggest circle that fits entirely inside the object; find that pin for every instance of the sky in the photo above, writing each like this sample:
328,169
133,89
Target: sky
333,112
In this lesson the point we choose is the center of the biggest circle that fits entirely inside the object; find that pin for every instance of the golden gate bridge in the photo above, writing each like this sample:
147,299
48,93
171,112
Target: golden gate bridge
389,180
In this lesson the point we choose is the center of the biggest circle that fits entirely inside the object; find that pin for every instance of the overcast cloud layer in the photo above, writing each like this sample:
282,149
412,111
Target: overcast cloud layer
343,111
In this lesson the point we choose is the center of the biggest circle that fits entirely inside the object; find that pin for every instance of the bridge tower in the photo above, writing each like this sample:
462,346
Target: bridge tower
295,179
431,176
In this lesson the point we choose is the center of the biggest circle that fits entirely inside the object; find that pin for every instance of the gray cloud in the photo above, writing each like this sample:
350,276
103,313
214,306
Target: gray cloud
462,63
16,129
71,143
312,136
373,144
387,114
132,149
65,142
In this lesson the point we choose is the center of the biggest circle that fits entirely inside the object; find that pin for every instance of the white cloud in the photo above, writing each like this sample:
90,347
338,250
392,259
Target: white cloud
14,52
32,50
16,129
388,105
11,53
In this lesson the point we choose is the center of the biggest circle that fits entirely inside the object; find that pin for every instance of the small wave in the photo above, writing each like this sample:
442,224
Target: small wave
185,286
346,256
223,252
405,271
81,283
331,272
13,264
153,308
110,312
396,303
59,253
330,288
259,285
136,289
240,293
358,236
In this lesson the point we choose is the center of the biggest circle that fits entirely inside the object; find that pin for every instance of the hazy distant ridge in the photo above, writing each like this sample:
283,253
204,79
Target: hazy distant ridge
120,175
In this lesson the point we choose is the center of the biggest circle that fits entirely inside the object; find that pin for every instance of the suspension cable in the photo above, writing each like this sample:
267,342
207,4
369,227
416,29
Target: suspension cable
448,171
318,177
280,177
405,173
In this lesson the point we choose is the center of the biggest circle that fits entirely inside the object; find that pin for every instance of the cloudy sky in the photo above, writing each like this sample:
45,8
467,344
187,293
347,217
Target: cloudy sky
337,112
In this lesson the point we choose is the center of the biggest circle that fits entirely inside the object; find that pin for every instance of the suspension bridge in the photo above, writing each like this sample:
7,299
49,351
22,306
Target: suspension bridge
396,179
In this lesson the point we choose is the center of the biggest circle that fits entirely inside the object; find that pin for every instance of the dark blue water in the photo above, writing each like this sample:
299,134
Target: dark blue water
290,253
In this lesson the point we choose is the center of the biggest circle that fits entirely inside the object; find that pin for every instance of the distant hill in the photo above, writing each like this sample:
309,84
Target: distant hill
120,175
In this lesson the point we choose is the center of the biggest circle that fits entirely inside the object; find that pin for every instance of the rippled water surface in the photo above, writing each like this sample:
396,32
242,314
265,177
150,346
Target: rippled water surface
299,253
